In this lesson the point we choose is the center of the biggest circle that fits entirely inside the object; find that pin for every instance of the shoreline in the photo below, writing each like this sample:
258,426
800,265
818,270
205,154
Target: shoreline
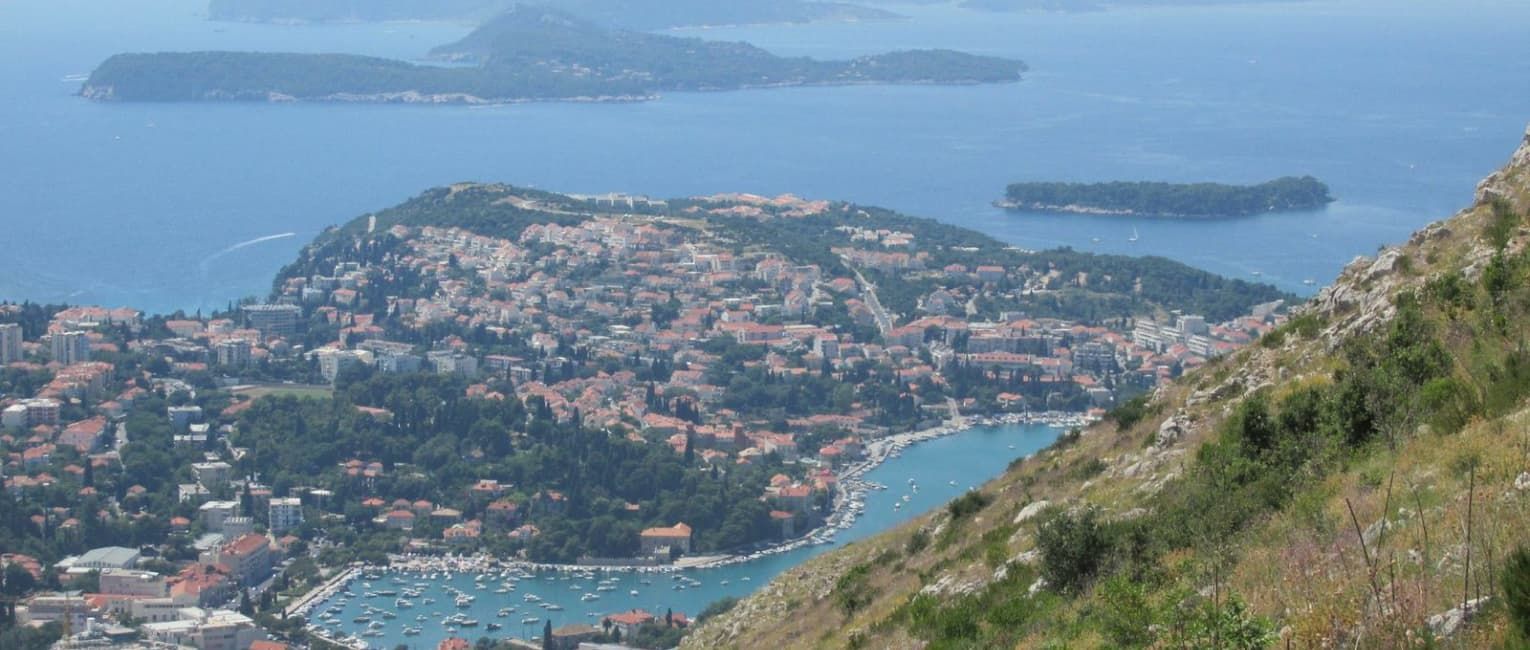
849,502
1074,209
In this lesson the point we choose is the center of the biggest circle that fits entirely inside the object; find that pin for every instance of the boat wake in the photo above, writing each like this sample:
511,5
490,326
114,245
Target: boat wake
244,244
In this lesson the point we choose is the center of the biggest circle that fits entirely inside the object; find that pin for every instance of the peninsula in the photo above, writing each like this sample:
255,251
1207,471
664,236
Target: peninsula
1186,201
526,54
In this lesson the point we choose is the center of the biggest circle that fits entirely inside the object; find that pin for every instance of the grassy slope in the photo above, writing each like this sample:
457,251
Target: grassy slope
1299,565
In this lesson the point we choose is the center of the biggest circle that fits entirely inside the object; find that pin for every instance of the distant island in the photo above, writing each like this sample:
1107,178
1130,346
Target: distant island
1094,5
526,54
1193,200
630,14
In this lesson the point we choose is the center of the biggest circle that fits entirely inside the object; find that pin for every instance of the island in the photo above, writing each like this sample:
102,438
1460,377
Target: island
631,14
1176,200
525,54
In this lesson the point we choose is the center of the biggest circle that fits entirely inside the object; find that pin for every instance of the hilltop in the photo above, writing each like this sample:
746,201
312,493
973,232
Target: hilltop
1358,478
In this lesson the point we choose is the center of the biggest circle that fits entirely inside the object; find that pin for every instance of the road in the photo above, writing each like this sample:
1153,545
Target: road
869,290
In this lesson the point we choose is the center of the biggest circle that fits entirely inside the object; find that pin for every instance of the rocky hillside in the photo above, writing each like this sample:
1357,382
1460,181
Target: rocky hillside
1357,479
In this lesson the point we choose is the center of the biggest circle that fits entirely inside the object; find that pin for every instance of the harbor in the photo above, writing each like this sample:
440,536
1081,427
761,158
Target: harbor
420,600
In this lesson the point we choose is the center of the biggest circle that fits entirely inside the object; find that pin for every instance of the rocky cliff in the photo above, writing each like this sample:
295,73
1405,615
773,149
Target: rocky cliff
1359,478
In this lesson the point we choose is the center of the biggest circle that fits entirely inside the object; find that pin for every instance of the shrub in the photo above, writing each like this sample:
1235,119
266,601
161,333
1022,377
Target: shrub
1073,546
1130,412
1127,616
967,504
853,590
1516,590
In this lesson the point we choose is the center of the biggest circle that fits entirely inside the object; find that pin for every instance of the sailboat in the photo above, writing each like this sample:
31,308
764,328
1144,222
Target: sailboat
1134,235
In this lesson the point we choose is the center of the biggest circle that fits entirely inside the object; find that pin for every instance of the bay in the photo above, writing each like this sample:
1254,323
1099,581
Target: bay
941,469
1401,106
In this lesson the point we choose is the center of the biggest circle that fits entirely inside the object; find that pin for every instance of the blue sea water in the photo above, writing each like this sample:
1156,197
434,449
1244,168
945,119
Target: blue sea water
941,469
1401,106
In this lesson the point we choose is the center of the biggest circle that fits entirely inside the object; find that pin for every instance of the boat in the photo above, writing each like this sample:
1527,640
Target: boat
411,631
554,607
634,592
492,626
1309,282
589,597
468,622
1134,236
529,620
362,619
402,603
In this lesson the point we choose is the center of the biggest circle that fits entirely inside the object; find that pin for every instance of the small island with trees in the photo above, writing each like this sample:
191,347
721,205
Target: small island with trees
1175,200
526,54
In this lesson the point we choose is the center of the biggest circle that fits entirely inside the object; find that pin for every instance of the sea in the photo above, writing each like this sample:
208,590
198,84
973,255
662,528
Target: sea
1401,106
922,478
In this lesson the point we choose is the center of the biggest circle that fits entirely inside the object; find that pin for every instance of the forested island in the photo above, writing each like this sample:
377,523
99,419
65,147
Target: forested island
631,14
525,54
1192,200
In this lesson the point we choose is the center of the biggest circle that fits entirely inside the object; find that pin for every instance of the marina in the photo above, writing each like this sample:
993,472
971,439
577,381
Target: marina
929,468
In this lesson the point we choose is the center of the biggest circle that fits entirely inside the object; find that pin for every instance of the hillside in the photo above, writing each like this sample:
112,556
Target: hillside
1349,482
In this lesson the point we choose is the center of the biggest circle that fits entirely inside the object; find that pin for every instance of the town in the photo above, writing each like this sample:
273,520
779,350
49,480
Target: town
189,480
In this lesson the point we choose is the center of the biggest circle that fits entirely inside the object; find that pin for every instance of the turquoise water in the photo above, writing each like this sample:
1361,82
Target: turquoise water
941,468
1400,106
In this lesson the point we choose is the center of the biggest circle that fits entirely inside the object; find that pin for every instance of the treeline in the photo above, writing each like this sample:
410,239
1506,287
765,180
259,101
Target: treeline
1171,199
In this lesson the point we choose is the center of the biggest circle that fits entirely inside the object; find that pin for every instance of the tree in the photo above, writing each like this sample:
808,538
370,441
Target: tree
17,581
547,642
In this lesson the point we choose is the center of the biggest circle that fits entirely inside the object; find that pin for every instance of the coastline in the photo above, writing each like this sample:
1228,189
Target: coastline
848,503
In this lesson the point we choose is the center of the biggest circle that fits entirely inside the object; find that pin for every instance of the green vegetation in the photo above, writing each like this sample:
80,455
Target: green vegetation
1198,200
525,54
1516,589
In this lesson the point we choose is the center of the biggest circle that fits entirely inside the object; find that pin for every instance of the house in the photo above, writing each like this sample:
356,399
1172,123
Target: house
663,541
569,637
629,621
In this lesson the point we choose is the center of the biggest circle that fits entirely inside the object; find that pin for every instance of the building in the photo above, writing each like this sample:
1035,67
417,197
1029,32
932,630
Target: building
249,557
285,514
331,362
206,630
30,413
664,541
76,610
70,348
234,352
10,343
106,557
569,637
273,320
629,622
182,417
128,582
213,514
213,474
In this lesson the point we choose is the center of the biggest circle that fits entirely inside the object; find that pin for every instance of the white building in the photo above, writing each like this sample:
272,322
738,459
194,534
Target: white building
10,343
285,513
208,630
70,347
128,582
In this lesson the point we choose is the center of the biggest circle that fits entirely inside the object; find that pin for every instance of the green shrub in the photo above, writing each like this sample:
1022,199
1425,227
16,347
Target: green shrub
853,590
917,542
1516,590
1073,546
1131,412
967,504
1127,616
